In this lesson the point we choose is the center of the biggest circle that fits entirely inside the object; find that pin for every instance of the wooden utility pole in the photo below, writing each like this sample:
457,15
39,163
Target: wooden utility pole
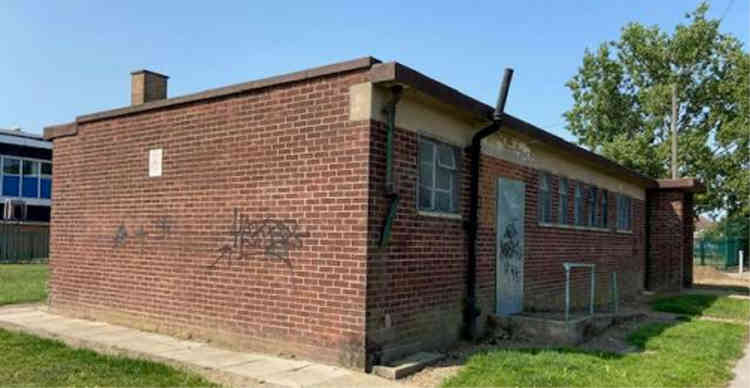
674,131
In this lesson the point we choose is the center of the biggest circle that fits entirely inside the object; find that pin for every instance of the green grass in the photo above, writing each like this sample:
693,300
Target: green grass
22,283
693,353
32,361
704,305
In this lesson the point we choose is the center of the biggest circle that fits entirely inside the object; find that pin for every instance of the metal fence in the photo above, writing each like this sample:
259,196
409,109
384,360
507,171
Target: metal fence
719,252
23,243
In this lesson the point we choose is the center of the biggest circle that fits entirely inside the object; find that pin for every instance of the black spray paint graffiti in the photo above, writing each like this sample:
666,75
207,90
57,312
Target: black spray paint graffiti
121,237
164,225
274,237
510,248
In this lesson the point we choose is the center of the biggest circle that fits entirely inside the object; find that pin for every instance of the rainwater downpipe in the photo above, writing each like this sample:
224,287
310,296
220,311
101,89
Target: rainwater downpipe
471,309
391,191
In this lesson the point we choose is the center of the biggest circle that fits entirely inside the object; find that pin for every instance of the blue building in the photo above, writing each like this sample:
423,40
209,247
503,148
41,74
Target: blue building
25,176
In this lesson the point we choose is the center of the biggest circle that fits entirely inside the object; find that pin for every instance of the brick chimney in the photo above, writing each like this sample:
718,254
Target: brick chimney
147,86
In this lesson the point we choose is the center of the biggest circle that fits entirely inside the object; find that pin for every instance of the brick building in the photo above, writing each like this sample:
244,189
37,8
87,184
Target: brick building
265,215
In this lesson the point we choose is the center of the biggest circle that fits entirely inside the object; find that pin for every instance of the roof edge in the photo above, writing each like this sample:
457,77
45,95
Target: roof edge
398,73
690,185
61,130
339,67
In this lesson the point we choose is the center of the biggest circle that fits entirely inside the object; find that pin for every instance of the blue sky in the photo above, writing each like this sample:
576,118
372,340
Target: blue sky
63,59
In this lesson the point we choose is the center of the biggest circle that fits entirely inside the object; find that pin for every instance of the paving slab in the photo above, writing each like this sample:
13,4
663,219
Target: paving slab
306,376
264,367
220,365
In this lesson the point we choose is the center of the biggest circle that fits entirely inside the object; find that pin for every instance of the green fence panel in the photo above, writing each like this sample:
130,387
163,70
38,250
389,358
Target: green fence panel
719,252
20,243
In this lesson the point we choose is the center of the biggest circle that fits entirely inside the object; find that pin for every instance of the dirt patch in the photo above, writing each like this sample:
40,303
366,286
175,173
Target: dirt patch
612,340
710,277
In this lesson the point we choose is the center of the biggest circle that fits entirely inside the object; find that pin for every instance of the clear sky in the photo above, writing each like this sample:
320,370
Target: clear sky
60,59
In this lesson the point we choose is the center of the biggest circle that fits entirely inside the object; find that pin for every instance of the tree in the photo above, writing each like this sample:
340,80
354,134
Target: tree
623,106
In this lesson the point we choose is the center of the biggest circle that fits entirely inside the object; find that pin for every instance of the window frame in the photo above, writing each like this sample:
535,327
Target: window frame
544,199
593,206
563,199
39,176
579,206
624,213
453,191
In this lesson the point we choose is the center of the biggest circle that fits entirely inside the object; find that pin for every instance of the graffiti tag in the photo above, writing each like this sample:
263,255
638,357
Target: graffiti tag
275,238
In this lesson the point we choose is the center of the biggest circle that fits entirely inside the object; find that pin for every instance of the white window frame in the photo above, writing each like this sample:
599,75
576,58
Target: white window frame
38,200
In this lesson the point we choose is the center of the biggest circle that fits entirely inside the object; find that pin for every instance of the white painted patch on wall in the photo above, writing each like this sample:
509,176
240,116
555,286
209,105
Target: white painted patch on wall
154,162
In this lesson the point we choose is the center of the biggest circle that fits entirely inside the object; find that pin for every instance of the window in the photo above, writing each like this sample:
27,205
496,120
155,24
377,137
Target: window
624,212
604,223
11,177
26,178
545,199
438,186
45,183
593,206
30,180
562,215
578,206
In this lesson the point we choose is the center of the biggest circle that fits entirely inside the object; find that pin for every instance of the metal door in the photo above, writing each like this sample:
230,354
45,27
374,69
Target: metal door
509,240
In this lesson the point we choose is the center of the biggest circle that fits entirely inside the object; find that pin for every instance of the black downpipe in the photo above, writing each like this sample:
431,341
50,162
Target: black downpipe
391,191
471,310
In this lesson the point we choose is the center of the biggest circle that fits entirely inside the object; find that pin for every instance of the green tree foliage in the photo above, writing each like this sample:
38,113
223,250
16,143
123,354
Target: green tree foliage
623,106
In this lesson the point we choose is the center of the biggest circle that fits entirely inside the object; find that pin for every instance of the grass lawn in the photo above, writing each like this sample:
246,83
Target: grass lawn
693,353
704,305
22,283
32,361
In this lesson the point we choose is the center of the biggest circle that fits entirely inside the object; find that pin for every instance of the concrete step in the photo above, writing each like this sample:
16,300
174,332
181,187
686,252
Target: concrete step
406,366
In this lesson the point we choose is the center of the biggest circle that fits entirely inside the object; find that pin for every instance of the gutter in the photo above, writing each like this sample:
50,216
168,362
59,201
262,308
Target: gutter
390,187
471,309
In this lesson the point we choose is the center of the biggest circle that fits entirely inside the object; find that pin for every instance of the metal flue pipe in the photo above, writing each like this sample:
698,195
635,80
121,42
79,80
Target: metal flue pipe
471,310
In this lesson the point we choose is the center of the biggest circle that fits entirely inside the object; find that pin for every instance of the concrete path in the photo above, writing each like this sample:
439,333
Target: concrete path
742,371
219,365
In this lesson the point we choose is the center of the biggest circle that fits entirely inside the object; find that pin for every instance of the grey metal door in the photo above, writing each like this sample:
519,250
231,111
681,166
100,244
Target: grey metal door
509,240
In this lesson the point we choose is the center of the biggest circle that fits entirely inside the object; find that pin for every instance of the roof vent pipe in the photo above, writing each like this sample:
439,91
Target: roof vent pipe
471,308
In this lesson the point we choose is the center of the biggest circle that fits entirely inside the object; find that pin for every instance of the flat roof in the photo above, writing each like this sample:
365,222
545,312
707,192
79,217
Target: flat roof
378,73
25,139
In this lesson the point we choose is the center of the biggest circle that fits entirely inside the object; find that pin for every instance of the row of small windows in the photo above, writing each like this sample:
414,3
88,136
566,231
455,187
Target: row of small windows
26,178
590,207
438,191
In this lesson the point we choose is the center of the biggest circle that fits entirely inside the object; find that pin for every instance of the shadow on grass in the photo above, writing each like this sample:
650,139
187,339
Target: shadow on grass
694,305
638,339
704,305
723,290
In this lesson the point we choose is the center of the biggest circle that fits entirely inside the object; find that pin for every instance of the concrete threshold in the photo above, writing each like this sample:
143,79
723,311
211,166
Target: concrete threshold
236,369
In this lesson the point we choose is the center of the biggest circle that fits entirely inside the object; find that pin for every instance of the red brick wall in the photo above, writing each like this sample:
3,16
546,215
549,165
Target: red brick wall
671,239
140,250
416,286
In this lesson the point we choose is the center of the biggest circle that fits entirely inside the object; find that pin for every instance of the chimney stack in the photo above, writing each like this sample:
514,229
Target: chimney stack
147,86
